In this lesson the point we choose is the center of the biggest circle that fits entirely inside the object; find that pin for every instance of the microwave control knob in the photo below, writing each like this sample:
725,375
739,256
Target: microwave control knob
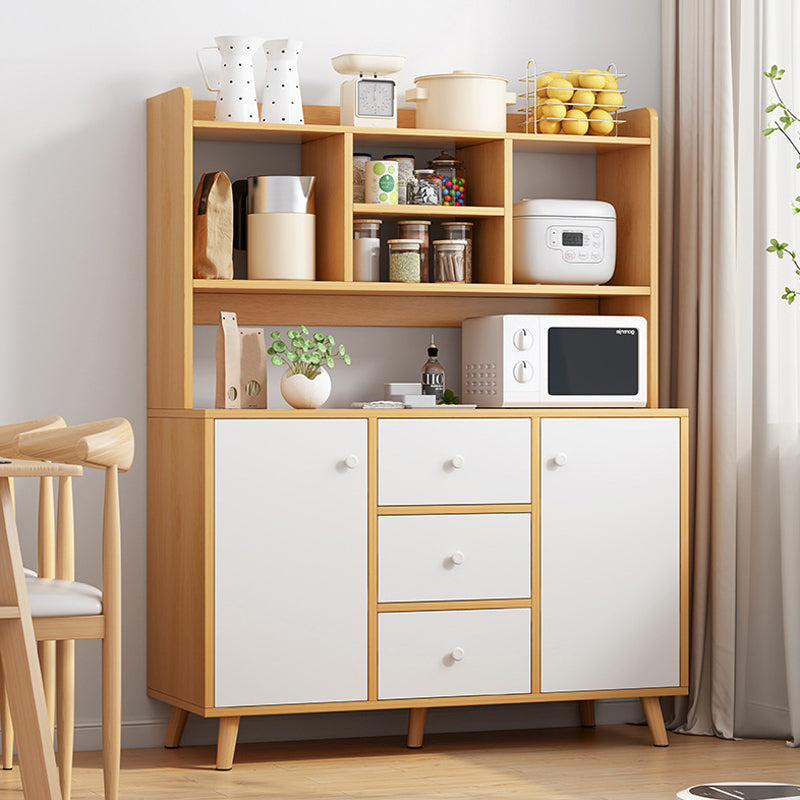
523,339
523,371
561,459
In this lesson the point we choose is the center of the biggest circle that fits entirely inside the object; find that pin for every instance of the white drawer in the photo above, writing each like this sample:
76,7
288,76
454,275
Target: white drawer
453,461
454,653
453,557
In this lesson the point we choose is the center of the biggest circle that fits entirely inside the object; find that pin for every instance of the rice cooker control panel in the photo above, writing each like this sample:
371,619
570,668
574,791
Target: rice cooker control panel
577,245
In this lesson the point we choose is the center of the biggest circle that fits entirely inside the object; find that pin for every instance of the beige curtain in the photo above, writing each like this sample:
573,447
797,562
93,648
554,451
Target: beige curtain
698,331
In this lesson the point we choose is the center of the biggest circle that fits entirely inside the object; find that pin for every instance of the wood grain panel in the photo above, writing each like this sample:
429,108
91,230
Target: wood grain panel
169,250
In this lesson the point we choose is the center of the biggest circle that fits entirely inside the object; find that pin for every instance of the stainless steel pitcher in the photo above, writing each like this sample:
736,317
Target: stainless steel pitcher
282,194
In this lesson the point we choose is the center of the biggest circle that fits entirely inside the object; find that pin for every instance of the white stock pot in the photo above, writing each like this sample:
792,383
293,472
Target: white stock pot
461,101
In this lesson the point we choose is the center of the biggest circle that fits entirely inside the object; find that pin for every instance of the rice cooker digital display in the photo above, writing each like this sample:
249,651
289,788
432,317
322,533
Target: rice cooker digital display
577,245
572,239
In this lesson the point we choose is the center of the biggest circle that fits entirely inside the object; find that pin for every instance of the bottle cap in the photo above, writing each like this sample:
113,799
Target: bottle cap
433,350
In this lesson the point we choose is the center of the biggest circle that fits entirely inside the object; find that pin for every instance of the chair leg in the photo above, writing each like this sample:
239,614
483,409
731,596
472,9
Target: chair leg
177,722
65,678
416,726
6,726
47,658
226,742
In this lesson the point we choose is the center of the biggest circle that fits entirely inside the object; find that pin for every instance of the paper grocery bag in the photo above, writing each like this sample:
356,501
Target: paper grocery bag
253,375
213,227
229,362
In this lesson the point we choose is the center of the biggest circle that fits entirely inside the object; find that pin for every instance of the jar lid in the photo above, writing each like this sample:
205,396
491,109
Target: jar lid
423,172
449,244
408,242
400,155
453,224
444,159
367,221
362,155
414,222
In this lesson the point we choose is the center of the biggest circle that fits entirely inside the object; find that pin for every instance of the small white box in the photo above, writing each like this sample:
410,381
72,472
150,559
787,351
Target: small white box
415,400
391,389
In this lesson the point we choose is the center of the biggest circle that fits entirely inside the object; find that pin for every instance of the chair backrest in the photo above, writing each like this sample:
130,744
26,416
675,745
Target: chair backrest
9,433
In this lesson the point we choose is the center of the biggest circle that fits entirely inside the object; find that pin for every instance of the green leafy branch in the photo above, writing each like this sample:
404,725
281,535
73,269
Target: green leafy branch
304,353
786,119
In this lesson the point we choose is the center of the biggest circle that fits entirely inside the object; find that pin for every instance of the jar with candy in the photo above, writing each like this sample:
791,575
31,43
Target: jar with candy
425,188
453,177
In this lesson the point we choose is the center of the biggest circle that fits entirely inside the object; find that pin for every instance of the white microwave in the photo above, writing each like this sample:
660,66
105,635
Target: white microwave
549,360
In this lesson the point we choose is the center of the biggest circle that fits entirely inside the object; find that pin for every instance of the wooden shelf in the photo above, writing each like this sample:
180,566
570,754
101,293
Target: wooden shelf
380,210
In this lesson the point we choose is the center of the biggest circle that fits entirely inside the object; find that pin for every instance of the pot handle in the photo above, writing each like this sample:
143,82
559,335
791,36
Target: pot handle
417,93
202,68
511,98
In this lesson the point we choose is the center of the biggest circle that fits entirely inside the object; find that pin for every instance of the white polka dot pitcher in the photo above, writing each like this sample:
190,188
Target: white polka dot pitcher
236,93
281,99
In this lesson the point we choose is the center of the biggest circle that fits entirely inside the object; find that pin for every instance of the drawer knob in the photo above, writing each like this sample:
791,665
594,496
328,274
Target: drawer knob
457,557
351,462
457,654
457,462
561,459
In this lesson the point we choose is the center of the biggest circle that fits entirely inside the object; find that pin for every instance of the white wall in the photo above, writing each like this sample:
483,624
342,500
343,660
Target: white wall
72,298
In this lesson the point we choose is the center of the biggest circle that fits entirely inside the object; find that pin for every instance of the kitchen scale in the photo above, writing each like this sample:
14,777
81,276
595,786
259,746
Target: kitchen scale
368,100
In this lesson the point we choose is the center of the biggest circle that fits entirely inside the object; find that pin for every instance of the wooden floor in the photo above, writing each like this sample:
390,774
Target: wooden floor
611,762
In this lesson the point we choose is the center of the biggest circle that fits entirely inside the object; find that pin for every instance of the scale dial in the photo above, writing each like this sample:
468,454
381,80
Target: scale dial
375,98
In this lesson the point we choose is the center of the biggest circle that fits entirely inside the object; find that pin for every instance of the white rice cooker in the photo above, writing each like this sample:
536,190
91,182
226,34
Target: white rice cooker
564,241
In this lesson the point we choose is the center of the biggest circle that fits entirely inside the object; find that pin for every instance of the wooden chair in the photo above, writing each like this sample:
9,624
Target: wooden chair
46,566
64,610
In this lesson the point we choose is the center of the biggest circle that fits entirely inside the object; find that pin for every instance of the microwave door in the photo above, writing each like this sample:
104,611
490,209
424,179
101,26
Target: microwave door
593,366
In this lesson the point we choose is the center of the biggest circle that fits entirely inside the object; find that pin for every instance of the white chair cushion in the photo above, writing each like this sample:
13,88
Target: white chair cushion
53,598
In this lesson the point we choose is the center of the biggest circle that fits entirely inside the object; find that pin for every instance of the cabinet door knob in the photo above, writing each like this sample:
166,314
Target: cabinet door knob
457,557
560,459
351,462
457,654
457,462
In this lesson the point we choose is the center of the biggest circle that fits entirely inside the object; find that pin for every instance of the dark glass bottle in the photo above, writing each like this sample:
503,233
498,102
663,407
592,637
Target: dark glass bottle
433,373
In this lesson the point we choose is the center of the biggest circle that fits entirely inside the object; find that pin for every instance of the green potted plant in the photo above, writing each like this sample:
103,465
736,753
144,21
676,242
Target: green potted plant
305,382
784,123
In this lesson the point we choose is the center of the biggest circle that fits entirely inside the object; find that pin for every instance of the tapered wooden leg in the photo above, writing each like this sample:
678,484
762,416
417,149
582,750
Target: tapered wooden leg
226,742
586,710
46,567
112,640
47,659
655,721
6,726
65,679
416,726
177,722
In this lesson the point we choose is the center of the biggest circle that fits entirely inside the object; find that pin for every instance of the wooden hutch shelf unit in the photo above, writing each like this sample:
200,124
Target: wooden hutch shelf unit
329,615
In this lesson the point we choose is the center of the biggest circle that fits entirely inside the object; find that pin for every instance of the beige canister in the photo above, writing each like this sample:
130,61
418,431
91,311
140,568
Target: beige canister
280,246
381,182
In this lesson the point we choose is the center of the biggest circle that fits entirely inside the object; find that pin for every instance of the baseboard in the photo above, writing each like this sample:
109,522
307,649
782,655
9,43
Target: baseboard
354,724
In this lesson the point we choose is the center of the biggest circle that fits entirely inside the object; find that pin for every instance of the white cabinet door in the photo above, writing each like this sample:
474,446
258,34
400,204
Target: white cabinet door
290,576
610,553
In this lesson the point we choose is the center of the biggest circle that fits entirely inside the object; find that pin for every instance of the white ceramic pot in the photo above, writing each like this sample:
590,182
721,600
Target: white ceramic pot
461,101
236,93
281,101
300,392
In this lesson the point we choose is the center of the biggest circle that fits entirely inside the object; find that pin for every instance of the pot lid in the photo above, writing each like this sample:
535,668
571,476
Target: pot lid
461,73
543,207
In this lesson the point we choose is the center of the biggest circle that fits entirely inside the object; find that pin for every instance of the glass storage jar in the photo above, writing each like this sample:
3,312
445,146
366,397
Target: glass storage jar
461,230
418,229
425,188
405,172
404,260
453,177
366,249
359,175
448,260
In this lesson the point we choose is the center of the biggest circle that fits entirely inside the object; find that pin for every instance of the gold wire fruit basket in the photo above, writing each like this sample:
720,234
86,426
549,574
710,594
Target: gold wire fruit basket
574,102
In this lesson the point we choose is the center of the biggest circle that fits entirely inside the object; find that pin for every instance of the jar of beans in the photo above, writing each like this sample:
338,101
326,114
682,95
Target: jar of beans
404,260
425,188
453,177
418,229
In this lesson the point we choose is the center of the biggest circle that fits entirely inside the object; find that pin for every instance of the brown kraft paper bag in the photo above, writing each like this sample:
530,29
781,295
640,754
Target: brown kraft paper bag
213,227
229,362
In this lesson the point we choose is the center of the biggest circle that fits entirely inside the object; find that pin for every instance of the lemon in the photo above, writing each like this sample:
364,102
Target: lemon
583,100
594,80
611,99
545,79
575,122
560,89
554,108
601,122
611,81
548,126
574,77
